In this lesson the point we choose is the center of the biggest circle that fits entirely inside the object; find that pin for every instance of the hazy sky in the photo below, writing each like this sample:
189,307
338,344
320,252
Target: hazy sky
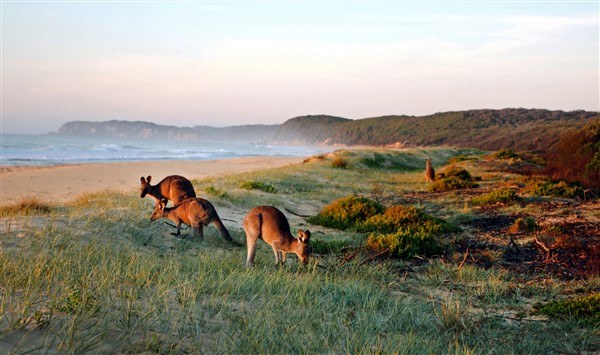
226,63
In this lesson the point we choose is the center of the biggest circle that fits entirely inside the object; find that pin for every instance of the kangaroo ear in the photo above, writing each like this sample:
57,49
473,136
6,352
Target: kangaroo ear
307,235
303,236
149,178
162,204
143,180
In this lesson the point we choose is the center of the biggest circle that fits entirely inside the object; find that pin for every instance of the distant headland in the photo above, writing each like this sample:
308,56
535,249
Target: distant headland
514,128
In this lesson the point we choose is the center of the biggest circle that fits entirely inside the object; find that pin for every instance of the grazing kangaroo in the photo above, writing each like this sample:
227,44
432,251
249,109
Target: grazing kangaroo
174,187
429,171
195,211
269,224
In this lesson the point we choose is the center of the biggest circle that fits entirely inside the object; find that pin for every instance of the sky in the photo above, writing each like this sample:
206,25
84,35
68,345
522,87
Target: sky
187,63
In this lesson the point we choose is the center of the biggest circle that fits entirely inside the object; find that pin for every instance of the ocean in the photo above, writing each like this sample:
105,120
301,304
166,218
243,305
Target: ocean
51,149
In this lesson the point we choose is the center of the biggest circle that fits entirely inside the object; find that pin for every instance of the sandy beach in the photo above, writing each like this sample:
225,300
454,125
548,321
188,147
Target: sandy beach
65,182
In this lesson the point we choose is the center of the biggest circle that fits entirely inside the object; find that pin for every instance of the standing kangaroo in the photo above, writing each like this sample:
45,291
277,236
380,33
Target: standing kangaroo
429,171
195,211
174,187
270,225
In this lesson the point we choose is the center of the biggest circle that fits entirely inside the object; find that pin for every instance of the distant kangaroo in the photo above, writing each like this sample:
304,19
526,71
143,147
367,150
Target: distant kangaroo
195,211
174,187
429,171
270,225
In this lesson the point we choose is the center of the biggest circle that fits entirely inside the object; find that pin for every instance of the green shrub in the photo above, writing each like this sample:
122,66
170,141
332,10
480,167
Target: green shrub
404,231
585,309
523,225
377,161
215,191
339,162
505,154
347,212
392,219
257,185
556,189
77,301
498,196
409,241
453,178
459,158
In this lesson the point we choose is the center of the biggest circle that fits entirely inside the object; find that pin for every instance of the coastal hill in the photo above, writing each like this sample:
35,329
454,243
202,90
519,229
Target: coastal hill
518,129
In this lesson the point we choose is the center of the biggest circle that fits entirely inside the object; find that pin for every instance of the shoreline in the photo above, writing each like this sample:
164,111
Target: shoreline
61,183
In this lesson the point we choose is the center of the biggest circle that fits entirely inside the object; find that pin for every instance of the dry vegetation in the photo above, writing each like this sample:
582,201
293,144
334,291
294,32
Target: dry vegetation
501,269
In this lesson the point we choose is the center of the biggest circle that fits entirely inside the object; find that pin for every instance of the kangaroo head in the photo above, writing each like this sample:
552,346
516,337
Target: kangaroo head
304,252
159,210
145,187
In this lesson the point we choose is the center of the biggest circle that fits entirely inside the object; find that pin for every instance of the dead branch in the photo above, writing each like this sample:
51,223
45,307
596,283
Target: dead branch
348,258
374,257
543,246
464,259
296,214
521,319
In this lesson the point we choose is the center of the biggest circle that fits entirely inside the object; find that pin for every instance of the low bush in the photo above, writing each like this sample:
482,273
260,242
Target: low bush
402,231
505,154
555,189
347,212
498,196
523,225
215,191
584,309
459,158
453,178
408,241
339,162
257,185
393,218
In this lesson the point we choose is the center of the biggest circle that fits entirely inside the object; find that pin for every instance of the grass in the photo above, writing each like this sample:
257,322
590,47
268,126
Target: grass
26,206
95,275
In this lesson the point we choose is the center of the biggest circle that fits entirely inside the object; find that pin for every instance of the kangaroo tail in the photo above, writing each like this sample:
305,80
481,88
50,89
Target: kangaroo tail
223,231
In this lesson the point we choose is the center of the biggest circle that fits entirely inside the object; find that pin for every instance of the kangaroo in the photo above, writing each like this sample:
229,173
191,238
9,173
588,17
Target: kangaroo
269,224
195,211
429,171
174,187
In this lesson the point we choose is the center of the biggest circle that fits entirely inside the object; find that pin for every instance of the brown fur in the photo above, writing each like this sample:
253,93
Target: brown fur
195,211
174,187
429,171
269,224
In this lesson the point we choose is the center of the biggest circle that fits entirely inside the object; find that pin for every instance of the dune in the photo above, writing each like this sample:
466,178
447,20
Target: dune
64,182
